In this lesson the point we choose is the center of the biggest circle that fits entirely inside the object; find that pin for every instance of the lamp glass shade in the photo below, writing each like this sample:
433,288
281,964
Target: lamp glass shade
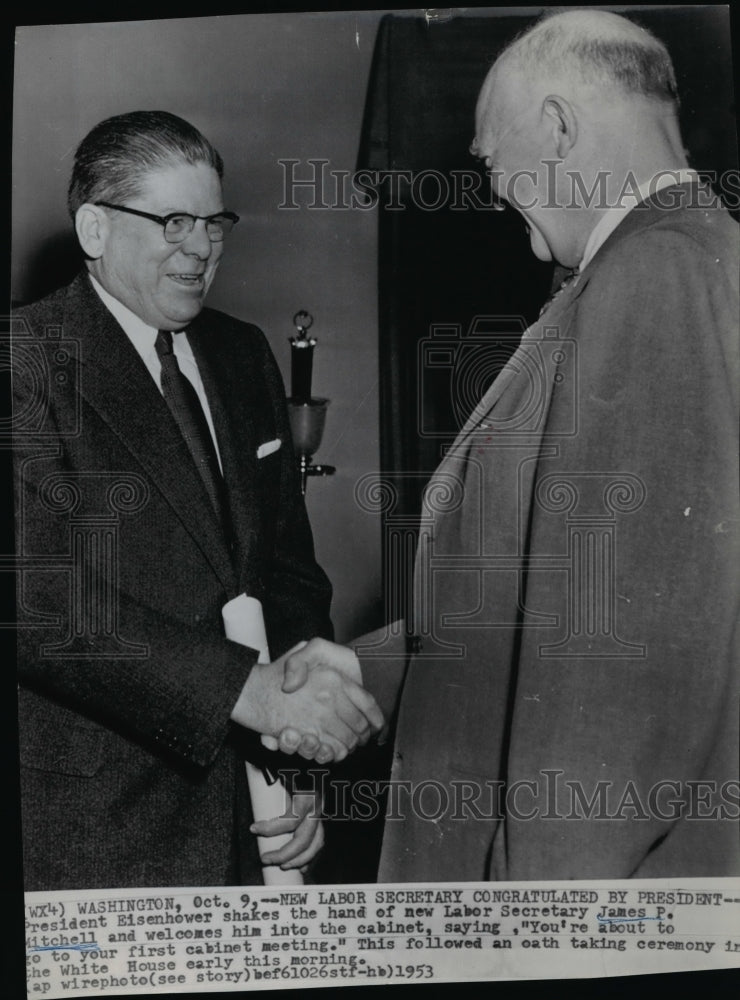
307,419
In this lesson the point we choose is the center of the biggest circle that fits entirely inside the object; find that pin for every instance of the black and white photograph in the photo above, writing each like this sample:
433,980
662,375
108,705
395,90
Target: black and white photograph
374,443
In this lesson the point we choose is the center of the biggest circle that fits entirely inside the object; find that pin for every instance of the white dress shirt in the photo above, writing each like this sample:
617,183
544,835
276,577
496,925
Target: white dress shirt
613,216
143,336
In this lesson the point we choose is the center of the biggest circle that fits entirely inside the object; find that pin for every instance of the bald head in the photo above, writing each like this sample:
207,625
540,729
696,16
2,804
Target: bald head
593,49
588,91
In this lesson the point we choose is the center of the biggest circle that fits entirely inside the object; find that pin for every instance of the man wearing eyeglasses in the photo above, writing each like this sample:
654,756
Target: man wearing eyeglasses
158,486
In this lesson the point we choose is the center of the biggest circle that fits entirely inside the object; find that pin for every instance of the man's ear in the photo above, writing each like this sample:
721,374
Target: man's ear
92,227
562,119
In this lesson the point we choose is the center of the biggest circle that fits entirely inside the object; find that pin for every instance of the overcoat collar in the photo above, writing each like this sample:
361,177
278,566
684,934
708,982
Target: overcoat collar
643,216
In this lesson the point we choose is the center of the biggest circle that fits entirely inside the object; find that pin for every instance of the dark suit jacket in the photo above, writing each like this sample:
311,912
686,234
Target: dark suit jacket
130,770
580,574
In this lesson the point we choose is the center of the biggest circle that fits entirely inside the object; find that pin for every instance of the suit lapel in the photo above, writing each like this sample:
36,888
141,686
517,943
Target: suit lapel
114,381
641,217
515,377
507,382
238,408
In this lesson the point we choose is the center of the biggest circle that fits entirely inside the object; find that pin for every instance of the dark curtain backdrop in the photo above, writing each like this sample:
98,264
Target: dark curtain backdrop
441,269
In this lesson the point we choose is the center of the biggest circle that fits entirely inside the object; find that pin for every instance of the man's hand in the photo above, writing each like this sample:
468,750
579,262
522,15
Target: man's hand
303,821
329,708
319,653
298,665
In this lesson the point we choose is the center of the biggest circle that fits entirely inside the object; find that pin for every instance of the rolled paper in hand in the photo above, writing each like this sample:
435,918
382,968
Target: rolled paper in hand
244,623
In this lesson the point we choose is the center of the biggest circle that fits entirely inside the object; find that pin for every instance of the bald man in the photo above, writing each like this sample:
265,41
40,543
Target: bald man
571,710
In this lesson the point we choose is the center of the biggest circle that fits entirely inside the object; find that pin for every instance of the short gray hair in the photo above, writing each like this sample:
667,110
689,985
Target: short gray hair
600,48
112,159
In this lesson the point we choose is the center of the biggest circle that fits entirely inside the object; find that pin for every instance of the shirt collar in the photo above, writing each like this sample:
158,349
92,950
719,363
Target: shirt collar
141,335
614,215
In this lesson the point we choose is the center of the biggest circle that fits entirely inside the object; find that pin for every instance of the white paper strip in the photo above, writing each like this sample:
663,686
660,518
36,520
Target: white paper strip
244,623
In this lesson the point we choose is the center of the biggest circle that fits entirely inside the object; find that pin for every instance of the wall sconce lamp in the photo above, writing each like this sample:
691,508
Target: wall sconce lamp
307,415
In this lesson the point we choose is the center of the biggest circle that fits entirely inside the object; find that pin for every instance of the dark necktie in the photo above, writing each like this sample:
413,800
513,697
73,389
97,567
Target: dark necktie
185,407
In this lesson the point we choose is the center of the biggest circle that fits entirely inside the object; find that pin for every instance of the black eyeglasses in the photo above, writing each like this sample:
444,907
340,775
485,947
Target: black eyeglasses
179,225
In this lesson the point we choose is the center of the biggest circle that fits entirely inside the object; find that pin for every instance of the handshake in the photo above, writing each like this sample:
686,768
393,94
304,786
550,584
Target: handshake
311,702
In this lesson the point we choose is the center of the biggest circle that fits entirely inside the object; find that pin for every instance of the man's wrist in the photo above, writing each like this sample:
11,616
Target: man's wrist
251,710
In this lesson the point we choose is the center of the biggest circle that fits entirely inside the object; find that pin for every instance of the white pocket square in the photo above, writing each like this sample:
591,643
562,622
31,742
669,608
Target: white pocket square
268,448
